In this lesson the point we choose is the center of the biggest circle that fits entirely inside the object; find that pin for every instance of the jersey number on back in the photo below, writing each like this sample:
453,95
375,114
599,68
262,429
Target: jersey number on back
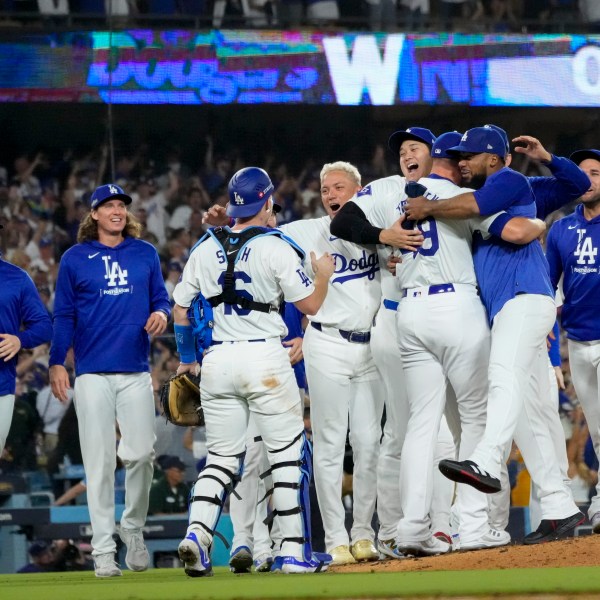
431,243
231,308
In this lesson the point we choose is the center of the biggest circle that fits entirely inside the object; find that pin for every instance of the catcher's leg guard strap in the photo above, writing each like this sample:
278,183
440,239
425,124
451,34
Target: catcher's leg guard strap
217,479
291,470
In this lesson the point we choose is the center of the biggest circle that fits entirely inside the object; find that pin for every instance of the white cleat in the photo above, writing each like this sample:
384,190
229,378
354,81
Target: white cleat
195,556
137,557
492,539
105,565
429,547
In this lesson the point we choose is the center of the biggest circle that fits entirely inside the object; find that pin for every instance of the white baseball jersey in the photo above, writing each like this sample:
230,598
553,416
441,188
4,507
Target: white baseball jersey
275,267
354,289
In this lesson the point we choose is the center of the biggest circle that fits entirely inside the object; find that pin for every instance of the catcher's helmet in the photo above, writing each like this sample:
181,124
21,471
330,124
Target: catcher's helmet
248,190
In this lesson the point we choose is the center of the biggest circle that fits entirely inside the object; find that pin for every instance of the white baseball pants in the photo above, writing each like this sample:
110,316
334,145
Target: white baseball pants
7,405
444,338
518,378
345,391
584,359
102,401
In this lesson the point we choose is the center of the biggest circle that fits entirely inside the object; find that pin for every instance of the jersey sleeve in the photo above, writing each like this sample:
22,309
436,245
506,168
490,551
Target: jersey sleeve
553,254
290,274
189,286
159,297
501,191
65,310
34,317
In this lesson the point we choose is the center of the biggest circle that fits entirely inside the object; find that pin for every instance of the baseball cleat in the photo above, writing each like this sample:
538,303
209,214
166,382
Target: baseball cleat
105,565
429,547
554,529
595,520
137,557
240,560
341,555
318,563
387,549
195,556
492,539
364,550
443,537
263,563
466,471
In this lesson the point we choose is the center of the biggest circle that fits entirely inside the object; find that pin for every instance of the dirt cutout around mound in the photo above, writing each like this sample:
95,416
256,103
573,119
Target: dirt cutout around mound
572,552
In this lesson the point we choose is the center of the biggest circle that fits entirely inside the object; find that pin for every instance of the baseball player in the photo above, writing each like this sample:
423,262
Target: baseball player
247,370
439,279
343,381
572,252
110,297
379,200
24,323
517,294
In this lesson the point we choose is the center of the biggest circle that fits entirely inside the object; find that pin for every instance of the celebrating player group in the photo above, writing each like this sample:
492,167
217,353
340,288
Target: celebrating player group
428,300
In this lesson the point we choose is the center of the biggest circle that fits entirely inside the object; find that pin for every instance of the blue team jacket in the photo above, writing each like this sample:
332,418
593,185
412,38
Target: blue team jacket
103,299
20,306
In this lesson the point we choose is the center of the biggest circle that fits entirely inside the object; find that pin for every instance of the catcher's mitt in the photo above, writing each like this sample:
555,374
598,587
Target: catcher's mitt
180,400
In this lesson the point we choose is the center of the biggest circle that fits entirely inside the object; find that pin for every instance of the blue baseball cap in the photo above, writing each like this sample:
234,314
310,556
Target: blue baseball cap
502,133
248,190
478,140
420,134
580,155
445,141
108,192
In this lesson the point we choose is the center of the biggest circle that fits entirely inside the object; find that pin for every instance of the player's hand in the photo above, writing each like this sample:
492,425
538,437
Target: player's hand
9,346
193,368
392,261
59,382
215,216
417,208
295,350
398,237
324,265
532,148
156,323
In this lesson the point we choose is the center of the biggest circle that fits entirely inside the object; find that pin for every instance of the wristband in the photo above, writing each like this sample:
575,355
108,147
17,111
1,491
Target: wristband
185,343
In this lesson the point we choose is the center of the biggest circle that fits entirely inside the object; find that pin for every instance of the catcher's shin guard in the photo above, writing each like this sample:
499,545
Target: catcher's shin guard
218,479
291,471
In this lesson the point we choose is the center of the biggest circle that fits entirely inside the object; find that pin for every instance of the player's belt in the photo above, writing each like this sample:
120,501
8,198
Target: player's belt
356,337
217,342
390,304
428,290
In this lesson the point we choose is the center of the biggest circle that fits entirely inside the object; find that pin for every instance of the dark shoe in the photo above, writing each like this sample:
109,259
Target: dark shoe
466,471
241,560
554,529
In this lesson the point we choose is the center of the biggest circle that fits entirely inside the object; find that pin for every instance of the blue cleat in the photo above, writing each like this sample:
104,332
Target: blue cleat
318,563
240,560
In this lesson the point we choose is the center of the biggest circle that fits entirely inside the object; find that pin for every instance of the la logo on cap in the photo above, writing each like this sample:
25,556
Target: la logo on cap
113,189
238,198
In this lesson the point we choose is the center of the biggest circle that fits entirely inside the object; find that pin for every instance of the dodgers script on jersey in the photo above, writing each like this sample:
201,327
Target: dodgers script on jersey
379,200
275,266
354,289
574,242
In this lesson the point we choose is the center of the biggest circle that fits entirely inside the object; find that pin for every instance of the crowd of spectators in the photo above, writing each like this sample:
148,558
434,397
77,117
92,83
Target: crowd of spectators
383,15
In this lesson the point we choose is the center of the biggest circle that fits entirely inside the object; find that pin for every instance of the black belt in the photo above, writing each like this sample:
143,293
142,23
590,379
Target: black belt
217,342
356,337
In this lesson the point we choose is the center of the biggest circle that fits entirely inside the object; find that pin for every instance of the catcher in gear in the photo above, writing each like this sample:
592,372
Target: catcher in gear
180,400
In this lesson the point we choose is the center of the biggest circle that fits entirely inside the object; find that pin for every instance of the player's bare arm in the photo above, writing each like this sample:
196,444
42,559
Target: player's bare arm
323,268
520,230
532,147
9,346
398,237
59,382
462,206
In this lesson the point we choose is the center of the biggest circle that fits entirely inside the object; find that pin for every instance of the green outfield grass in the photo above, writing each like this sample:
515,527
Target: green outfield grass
172,584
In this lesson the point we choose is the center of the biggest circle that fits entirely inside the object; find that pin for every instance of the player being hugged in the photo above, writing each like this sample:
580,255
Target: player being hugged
110,297
243,272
